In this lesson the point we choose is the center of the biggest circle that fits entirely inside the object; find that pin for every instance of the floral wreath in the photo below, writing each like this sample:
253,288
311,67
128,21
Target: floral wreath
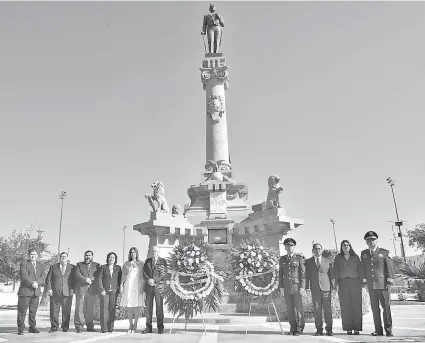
193,283
256,270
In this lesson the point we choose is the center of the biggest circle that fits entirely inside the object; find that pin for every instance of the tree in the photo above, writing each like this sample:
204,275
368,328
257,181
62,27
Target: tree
398,263
330,254
417,237
14,250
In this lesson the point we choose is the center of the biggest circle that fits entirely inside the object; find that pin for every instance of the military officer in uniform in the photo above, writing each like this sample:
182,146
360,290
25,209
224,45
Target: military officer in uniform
378,274
292,285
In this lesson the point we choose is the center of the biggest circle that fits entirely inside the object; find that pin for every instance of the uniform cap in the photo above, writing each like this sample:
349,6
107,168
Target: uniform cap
289,241
371,235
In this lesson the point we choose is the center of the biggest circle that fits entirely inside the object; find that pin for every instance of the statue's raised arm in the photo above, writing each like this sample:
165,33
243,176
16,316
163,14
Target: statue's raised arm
211,26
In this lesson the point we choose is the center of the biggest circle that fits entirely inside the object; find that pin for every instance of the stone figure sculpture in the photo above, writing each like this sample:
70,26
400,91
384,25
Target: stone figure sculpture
175,210
273,196
157,200
213,22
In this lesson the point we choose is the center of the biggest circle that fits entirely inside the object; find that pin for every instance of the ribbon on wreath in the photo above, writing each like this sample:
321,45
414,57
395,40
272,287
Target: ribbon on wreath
243,276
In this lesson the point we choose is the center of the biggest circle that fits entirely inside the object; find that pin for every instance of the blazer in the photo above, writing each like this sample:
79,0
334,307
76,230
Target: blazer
378,270
28,275
126,272
60,284
80,275
351,268
108,282
318,279
156,273
291,273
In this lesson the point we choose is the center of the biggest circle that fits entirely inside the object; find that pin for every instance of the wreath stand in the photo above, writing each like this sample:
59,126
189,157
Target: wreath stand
270,317
185,325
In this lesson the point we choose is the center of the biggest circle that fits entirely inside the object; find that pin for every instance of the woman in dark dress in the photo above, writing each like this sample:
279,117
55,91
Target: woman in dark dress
348,270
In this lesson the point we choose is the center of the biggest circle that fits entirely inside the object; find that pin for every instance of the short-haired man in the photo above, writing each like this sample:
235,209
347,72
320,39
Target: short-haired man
319,278
155,270
31,273
59,285
378,275
85,290
292,285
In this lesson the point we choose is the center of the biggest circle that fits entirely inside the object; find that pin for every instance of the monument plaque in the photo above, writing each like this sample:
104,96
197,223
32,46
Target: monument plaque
218,203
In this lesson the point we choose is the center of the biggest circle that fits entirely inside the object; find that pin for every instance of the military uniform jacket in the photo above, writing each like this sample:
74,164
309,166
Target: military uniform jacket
378,269
291,273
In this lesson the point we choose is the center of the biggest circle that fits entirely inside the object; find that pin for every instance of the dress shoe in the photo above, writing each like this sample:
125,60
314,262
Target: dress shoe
377,333
78,330
329,333
53,330
33,330
111,330
147,331
65,329
295,333
349,332
91,330
160,331
20,332
104,331
389,333
356,332
319,333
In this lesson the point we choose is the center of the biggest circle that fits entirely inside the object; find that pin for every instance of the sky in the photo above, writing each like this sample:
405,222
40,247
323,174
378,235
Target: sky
100,99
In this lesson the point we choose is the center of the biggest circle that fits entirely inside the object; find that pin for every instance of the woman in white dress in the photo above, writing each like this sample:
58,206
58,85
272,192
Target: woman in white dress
133,288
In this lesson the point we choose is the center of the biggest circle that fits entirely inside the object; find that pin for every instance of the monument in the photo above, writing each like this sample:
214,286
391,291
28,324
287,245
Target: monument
218,212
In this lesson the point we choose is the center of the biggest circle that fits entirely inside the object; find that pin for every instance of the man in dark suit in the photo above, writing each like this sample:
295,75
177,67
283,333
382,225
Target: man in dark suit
319,278
59,285
109,283
85,290
31,273
155,270
292,285
378,274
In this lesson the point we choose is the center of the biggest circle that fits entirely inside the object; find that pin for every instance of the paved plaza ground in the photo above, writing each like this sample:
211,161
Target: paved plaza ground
409,326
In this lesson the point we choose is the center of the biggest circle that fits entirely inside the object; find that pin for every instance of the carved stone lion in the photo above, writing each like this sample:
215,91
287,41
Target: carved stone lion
273,196
175,210
157,200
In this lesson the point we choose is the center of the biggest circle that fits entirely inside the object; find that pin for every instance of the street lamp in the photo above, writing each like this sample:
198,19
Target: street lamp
333,227
399,222
61,196
123,245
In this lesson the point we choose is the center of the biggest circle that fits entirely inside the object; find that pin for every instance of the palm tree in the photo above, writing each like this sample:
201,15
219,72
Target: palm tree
416,275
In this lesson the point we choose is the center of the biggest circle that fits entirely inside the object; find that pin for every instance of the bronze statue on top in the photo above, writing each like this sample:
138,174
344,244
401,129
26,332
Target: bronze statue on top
213,22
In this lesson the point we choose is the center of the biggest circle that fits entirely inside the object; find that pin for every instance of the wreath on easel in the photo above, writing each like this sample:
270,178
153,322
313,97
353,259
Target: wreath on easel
193,285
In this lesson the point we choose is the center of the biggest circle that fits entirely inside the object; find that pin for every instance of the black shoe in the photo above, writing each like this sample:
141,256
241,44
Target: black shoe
104,331
389,333
319,333
110,330
377,333
65,330
78,330
329,333
33,330
20,332
349,332
91,330
160,331
295,333
53,330
147,330
356,332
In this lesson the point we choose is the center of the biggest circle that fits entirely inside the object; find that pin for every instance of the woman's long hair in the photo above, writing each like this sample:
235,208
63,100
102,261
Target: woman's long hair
137,253
351,252
112,253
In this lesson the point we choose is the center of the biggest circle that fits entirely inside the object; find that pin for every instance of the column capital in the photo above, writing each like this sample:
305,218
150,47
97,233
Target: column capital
219,73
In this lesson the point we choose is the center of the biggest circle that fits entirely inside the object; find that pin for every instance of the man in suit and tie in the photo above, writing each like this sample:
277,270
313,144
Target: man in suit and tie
31,273
109,283
85,290
59,285
319,278
292,286
378,275
155,270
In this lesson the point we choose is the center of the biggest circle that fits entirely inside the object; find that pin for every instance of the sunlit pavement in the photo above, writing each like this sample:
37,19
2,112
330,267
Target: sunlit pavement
409,326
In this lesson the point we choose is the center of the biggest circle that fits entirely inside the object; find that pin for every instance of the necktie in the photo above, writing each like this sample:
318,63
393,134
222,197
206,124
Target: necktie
63,268
372,252
317,262
34,264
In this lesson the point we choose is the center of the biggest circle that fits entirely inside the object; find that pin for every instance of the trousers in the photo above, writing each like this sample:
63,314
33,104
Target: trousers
84,311
294,304
56,302
25,303
159,304
108,304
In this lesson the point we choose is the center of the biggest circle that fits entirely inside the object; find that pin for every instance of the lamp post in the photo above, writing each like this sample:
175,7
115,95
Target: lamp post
399,222
333,227
61,196
123,245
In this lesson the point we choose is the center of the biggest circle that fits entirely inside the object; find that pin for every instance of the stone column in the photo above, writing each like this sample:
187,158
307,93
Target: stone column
215,81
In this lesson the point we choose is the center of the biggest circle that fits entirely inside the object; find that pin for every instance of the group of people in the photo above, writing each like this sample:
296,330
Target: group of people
347,274
140,283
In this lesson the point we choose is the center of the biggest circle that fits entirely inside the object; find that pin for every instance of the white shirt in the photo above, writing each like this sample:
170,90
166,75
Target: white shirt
318,260
111,269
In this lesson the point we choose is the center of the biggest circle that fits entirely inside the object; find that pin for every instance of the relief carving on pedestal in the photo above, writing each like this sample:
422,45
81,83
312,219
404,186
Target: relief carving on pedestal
215,107
157,200
175,210
273,196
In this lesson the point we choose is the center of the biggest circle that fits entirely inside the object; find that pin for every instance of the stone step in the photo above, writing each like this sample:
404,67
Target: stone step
220,318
